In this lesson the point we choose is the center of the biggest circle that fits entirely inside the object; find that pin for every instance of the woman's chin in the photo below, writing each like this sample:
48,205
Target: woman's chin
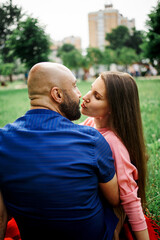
83,112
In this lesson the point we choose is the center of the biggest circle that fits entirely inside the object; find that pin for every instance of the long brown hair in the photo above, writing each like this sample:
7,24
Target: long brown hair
123,99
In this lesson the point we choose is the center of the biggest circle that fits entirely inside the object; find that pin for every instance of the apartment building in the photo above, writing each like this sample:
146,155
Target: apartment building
102,22
76,41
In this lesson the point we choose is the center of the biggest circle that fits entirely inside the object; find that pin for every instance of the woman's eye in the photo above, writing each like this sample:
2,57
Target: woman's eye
97,97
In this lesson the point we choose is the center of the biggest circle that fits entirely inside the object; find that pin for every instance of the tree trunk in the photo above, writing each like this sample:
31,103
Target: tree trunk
10,78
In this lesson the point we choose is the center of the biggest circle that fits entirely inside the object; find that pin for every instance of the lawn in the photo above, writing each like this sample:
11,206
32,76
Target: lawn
14,103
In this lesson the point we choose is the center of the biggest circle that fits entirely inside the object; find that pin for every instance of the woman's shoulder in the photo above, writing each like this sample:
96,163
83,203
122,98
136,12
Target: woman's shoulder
111,136
115,142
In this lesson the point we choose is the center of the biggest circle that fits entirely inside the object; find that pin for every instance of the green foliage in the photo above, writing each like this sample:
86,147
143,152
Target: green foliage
151,46
73,59
70,56
85,63
135,40
30,43
127,56
123,56
9,18
65,48
118,37
94,57
109,56
6,69
121,37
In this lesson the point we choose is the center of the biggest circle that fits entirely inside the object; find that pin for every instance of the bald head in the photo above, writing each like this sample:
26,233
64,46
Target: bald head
50,86
44,76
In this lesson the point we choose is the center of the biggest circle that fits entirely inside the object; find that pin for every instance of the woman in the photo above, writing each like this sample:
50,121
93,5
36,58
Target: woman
113,108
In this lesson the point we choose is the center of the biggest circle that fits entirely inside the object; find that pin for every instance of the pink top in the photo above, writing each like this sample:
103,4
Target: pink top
127,175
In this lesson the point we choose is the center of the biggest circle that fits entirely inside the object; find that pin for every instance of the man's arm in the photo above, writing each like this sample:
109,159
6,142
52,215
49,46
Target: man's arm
3,218
110,191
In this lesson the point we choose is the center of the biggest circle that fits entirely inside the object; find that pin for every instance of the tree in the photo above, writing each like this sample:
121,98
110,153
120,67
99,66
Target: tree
95,57
66,47
109,57
118,37
72,59
85,64
135,40
127,56
9,17
151,46
6,69
30,43
122,37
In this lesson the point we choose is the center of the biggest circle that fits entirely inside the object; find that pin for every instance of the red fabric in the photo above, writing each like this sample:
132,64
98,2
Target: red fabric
153,229
126,233
13,233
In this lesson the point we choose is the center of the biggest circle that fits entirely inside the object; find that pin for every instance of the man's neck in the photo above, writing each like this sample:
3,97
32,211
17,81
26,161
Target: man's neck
41,105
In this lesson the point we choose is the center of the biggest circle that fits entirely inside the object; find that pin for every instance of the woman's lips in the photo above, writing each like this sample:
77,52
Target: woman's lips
83,105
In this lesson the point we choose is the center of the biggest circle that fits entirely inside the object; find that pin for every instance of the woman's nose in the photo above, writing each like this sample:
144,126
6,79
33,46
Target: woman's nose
86,97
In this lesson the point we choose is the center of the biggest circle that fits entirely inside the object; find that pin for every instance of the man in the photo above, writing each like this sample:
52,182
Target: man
50,168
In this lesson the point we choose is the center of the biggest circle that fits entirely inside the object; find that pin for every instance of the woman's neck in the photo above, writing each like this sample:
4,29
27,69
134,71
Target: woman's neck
102,122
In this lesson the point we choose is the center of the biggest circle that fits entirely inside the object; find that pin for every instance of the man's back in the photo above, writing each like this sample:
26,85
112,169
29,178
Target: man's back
49,173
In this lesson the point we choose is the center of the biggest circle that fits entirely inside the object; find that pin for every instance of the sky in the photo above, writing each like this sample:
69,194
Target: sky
63,18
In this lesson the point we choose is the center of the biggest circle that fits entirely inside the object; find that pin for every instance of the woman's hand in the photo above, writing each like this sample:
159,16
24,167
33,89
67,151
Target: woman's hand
142,235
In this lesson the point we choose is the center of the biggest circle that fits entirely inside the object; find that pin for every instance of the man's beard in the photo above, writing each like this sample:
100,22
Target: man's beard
70,108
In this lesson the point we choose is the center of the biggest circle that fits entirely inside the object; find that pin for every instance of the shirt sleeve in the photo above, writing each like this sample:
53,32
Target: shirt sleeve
104,161
127,175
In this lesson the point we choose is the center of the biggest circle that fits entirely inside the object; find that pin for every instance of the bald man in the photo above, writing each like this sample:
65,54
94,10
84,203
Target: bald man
51,168
53,86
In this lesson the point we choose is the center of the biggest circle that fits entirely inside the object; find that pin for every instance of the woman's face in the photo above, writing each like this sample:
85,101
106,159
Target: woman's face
95,103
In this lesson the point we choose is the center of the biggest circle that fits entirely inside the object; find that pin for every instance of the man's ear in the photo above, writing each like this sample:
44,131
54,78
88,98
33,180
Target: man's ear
56,94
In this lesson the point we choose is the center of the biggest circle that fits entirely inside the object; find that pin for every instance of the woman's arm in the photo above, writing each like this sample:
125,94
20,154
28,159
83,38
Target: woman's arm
3,218
127,176
142,235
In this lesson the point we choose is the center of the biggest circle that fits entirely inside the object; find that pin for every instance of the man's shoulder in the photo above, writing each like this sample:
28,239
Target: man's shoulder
86,129
90,132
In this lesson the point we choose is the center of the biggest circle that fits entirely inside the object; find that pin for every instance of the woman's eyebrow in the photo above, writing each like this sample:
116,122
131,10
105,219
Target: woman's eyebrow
96,90
98,93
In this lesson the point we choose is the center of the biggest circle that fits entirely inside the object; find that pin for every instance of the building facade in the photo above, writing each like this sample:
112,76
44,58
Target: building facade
102,22
76,41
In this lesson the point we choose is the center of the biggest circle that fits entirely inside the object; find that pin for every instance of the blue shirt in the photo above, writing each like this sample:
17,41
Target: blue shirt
50,169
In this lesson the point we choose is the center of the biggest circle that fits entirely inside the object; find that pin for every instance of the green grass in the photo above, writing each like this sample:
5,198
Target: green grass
14,103
150,110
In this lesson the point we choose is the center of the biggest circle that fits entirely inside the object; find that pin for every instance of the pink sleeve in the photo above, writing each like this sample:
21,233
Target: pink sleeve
127,174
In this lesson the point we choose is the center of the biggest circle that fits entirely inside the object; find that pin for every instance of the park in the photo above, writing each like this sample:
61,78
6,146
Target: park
14,103
26,43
